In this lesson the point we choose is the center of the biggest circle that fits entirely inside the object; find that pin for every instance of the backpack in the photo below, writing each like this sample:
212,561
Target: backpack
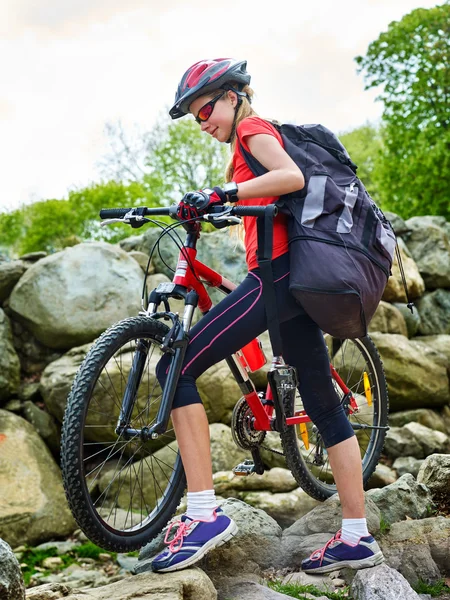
341,245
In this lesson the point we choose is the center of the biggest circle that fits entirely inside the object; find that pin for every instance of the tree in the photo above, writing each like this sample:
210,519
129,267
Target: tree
411,61
171,159
364,146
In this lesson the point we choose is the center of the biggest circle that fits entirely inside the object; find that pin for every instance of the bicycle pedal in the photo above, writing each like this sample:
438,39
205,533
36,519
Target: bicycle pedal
244,469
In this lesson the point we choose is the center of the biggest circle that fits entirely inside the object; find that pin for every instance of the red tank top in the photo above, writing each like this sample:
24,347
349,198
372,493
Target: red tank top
246,128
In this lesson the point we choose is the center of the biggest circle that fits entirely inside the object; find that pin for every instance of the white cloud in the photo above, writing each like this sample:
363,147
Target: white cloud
68,67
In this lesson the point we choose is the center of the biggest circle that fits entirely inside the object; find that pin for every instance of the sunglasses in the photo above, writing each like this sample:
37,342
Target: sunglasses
206,110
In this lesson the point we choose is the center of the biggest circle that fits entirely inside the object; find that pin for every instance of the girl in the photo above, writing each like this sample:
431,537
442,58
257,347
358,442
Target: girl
217,93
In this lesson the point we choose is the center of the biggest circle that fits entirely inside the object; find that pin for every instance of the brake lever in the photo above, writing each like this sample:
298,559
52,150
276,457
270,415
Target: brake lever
131,218
111,221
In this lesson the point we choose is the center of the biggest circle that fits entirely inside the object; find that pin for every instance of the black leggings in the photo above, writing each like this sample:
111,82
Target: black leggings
239,318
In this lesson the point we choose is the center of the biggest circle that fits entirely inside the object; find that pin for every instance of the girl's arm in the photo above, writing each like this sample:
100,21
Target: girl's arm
283,177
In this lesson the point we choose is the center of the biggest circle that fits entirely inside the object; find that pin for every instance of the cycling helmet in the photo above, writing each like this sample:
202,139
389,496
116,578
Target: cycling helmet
206,76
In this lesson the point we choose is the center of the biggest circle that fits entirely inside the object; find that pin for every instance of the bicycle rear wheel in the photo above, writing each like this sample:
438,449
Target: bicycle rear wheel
122,489
359,365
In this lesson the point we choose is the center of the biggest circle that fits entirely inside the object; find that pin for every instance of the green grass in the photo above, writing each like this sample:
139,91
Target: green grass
32,558
296,590
385,526
434,589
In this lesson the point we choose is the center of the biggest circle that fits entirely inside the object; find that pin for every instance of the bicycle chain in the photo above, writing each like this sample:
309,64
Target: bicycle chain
271,450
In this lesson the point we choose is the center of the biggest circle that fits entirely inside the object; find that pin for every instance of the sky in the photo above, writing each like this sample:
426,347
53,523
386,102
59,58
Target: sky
68,67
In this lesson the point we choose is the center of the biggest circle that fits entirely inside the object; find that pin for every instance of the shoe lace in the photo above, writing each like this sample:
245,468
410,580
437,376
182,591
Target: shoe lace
176,543
320,553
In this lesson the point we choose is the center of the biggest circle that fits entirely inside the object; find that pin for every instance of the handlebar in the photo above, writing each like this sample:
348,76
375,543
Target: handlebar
237,211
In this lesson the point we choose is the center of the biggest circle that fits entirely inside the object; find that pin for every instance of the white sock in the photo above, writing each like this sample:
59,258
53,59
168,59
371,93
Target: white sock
353,530
201,505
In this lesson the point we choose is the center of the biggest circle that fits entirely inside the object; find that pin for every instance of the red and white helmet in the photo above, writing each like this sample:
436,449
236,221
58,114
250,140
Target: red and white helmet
206,76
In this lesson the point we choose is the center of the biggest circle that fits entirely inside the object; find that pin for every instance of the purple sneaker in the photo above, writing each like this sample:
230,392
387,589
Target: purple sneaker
337,554
193,539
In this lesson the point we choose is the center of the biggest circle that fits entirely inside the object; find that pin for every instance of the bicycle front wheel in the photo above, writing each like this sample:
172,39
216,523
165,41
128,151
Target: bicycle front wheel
359,365
122,488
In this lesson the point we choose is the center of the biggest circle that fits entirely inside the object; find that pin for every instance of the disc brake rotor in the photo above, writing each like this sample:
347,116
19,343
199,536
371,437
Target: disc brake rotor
242,426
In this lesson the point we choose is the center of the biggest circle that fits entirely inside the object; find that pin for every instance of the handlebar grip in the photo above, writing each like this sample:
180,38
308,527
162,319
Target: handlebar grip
113,213
255,211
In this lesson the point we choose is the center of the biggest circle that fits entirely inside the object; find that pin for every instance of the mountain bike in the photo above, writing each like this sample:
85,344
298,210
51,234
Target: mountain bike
122,472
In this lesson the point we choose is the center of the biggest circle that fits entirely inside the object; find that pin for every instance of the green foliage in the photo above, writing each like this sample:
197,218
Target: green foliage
434,589
31,559
385,526
178,158
411,64
364,146
185,159
296,590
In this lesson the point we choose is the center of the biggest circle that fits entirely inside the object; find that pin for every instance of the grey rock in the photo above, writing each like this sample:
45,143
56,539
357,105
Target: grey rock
127,562
275,480
418,549
403,498
60,547
412,319
429,245
58,377
382,476
44,425
388,319
34,507
381,583
100,283
33,257
48,591
425,416
10,273
9,361
225,454
399,225
407,464
414,380
414,439
394,290
11,582
435,474
142,259
439,343
29,391
434,308
33,355
249,590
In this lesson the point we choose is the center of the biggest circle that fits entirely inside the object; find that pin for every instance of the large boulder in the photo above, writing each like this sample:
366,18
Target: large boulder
429,245
414,439
33,506
388,319
412,319
439,343
394,290
435,474
418,549
434,308
9,361
414,379
381,583
57,380
77,294
425,416
225,454
401,499
11,582
10,273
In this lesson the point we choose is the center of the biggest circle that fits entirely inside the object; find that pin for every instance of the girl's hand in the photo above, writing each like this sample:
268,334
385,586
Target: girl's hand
194,203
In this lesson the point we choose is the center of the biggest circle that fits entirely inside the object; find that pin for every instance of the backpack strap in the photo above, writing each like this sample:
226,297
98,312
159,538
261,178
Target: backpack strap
265,247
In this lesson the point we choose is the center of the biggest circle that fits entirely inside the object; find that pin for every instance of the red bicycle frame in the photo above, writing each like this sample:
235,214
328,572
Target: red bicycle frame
190,274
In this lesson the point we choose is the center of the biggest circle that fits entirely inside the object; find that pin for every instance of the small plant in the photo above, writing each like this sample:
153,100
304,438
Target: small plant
385,526
32,558
296,590
90,550
431,510
434,589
